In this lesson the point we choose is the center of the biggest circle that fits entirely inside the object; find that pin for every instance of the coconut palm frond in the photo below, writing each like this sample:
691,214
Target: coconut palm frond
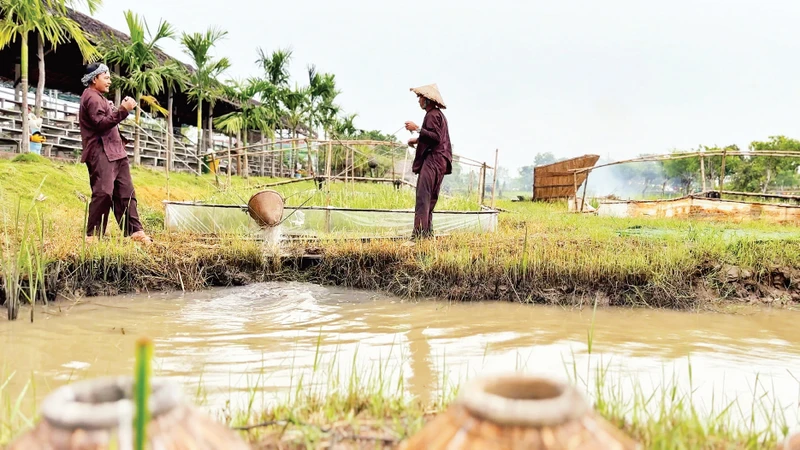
155,107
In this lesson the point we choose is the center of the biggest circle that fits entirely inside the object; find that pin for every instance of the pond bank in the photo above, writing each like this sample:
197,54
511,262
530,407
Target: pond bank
458,268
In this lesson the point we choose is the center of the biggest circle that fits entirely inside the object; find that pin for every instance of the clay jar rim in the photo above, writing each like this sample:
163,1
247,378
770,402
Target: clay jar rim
523,400
105,402
256,216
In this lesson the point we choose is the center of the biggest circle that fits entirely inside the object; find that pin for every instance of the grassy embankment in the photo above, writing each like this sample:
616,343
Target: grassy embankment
540,252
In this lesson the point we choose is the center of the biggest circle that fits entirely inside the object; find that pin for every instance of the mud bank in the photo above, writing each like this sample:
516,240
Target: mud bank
416,271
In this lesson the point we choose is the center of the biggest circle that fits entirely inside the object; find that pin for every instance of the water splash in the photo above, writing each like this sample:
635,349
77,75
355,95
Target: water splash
271,240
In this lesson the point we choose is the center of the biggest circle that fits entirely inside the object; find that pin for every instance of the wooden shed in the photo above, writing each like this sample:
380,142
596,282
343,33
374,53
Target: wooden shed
554,181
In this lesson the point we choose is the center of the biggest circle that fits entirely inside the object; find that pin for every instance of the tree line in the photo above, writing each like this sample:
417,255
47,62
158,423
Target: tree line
744,173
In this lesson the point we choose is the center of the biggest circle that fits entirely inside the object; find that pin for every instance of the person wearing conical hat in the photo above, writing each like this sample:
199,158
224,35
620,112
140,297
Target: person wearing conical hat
433,158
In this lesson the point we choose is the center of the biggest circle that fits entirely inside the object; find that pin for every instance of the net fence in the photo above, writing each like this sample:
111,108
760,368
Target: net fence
318,222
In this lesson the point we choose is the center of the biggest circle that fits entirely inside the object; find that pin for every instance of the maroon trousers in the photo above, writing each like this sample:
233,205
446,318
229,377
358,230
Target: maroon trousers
429,183
112,188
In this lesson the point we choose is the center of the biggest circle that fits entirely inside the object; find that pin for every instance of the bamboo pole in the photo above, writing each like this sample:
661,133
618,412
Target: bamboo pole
674,156
328,162
722,175
272,159
297,180
308,155
482,183
575,185
293,158
703,171
765,195
583,199
168,163
238,155
245,161
494,174
170,143
280,183
471,177
230,163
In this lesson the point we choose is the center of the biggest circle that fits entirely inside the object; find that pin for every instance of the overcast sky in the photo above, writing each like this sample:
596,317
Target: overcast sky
615,78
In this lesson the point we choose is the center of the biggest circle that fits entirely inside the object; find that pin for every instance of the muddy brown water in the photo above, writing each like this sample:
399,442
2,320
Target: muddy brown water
257,342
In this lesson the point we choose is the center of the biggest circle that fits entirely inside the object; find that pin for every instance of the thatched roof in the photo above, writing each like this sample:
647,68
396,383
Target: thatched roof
64,67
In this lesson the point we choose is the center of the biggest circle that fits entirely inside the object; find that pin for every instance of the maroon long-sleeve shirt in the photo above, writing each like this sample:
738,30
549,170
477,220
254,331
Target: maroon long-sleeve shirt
98,120
434,139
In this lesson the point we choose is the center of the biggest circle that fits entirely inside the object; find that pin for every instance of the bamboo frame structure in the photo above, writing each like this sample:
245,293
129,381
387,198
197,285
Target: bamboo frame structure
673,156
702,155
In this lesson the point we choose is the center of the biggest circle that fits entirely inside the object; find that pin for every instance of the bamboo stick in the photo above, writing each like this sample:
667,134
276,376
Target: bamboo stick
471,176
583,199
238,155
280,183
230,168
703,171
347,179
765,195
482,183
575,185
328,161
722,174
673,156
494,175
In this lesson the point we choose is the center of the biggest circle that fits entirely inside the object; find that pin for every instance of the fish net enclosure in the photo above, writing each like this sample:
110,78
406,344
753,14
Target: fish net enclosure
341,189
316,222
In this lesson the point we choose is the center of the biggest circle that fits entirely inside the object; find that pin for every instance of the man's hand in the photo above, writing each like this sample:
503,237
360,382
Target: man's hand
411,126
129,104
412,142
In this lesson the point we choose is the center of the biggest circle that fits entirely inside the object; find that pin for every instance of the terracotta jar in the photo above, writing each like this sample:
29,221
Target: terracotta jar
266,208
519,412
98,414
792,442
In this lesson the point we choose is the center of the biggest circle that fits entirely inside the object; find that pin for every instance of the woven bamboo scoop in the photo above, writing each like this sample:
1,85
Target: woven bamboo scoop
266,208
520,412
97,414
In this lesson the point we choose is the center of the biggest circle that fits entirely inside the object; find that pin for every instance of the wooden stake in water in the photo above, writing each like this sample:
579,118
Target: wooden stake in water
144,356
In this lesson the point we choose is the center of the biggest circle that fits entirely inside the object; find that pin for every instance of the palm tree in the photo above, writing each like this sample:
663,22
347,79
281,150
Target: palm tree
252,115
341,128
276,71
205,86
146,75
49,20
69,30
276,66
297,103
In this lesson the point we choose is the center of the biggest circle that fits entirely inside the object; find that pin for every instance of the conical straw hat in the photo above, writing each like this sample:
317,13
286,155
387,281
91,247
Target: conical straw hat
431,92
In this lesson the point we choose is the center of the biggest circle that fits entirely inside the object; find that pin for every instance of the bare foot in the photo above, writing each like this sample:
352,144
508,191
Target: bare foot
139,236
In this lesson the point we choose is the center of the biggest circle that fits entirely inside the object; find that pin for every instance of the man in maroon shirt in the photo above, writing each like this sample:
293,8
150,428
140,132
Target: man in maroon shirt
105,157
433,159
